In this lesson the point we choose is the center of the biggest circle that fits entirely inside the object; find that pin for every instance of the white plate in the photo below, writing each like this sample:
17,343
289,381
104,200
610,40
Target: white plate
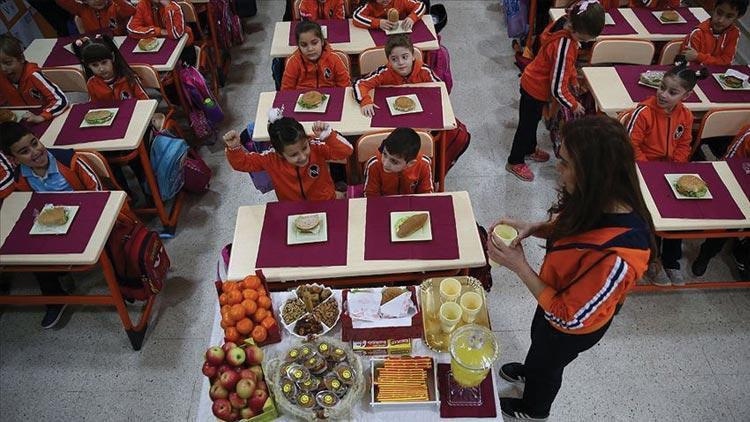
295,237
293,295
745,84
672,179
424,233
321,108
159,43
398,29
39,228
608,19
657,13
19,114
84,123
69,47
394,112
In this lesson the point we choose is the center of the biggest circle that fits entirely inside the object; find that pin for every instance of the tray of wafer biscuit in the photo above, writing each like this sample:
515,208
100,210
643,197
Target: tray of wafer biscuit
404,381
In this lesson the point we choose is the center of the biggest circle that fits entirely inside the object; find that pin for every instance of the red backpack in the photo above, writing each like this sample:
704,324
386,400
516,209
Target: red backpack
138,257
456,142
197,173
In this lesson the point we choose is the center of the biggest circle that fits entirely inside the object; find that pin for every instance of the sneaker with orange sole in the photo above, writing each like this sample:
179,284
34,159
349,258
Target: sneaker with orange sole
539,155
521,171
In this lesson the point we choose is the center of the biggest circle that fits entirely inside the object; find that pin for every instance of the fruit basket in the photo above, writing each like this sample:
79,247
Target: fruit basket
311,310
317,379
247,311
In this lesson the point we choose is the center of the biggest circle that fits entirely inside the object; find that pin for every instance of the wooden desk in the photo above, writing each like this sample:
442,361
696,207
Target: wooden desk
359,39
641,31
250,222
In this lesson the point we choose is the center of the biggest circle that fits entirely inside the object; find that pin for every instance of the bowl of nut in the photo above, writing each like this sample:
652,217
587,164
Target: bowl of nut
310,311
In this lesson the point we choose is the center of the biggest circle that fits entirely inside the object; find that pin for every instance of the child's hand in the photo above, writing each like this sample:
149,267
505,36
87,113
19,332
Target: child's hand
232,139
369,110
407,24
320,127
579,111
32,118
690,54
386,25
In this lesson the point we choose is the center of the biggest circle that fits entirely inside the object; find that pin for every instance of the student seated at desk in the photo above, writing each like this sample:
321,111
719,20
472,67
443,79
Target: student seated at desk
159,18
314,64
45,170
96,15
315,10
714,41
109,76
23,84
399,168
655,4
297,165
373,14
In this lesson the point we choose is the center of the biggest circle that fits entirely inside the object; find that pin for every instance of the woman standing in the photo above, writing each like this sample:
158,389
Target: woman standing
599,241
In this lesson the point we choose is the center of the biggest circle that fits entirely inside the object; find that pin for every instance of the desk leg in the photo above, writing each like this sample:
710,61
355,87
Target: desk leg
178,87
441,140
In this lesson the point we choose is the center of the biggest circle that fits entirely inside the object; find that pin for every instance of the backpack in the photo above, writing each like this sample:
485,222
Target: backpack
277,71
168,156
197,173
516,17
205,112
483,273
138,258
440,63
261,179
456,142
560,115
223,17
439,16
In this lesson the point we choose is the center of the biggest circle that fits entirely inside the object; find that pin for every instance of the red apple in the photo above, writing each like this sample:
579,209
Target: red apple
222,409
209,370
245,388
247,413
226,347
229,379
234,415
254,355
257,401
218,391
258,372
223,368
236,356
237,401
246,373
262,385
215,356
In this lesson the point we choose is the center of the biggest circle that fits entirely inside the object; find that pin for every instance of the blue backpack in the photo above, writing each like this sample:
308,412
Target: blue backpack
168,161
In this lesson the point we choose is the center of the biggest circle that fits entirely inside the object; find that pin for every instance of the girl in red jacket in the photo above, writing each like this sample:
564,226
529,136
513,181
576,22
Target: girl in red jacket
23,84
159,18
314,64
99,15
373,14
315,10
297,165
714,41
109,76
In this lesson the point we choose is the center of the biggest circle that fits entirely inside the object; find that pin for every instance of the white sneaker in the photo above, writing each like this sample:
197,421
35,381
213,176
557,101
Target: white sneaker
660,277
675,276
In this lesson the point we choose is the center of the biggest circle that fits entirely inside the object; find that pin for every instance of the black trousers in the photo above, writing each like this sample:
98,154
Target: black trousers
49,283
712,246
550,352
671,252
529,114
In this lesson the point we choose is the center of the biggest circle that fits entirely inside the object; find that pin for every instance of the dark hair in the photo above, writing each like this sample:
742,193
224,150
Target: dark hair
398,40
590,21
285,131
403,142
688,77
307,26
90,50
603,162
739,5
11,46
10,133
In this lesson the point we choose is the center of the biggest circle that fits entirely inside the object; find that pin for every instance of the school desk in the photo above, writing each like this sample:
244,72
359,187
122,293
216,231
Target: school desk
635,23
14,212
359,39
728,183
357,270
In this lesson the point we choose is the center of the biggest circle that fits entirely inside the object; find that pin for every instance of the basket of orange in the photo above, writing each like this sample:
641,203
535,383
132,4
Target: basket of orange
247,311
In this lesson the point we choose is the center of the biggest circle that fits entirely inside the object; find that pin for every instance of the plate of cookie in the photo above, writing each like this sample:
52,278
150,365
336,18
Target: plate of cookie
309,311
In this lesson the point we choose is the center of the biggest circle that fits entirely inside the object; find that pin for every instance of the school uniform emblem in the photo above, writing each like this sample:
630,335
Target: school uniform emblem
112,23
413,187
679,131
327,73
35,94
124,95
314,171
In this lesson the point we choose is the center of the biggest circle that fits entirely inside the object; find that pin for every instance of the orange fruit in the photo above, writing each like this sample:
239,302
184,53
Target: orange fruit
260,315
228,286
250,294
225,308
252,282
264,302
244,326
225,323
231,334
268,322
261,291
223,299
259,333
237,312
234,297
250,307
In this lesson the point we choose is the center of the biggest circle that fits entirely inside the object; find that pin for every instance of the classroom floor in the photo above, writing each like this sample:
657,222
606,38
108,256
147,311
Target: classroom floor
671,356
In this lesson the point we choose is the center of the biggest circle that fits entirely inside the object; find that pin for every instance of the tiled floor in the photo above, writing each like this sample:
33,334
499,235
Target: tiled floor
672,356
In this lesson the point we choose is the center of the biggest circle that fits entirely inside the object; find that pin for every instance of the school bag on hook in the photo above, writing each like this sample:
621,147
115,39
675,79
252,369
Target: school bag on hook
205,112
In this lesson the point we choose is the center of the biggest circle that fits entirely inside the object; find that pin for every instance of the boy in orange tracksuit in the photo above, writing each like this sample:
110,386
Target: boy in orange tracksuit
298,166
315,10
399,168
373,14
314,64
100,14
714,41
159,18
655,4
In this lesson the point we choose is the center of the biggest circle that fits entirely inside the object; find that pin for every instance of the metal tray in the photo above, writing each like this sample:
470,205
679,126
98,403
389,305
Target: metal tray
432,403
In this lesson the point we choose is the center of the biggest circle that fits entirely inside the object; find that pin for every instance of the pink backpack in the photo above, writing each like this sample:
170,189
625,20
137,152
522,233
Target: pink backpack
440,63
197,173
205,113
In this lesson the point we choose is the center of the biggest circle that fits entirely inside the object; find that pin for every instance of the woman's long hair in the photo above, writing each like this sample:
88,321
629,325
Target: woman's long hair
603,163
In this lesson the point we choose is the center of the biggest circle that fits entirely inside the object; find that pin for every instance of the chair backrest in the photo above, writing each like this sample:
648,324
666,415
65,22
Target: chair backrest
622,51
344,58
723,122
295,9
368,144
150,79
372,58
101,168
669,52
188,12
79,25
68,79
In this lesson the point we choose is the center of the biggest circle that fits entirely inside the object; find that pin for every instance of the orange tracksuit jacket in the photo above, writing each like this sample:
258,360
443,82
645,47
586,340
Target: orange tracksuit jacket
118,89
113,17
312,182
655,4
553,70
385,75
79,173
7,184
150,18
587,275
329,71
315,10
415,179
33,89
369,14
658,136
713,49
740,147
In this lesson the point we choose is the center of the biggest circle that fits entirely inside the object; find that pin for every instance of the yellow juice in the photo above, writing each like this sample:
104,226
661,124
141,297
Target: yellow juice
469,358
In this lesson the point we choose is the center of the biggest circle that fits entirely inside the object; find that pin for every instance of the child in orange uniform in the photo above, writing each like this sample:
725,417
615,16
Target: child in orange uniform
159,18
100,14
403,68
714,41
23,84
314,64
399,168
315,10
109,76
298,166
551,73
655,4
660,130
373,14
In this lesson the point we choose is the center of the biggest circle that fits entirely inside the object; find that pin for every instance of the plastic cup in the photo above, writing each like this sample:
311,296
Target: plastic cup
470,302
450,290
450,315
505,234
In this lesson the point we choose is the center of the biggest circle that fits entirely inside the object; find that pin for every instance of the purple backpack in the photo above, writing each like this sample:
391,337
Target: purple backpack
205,113
440,63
